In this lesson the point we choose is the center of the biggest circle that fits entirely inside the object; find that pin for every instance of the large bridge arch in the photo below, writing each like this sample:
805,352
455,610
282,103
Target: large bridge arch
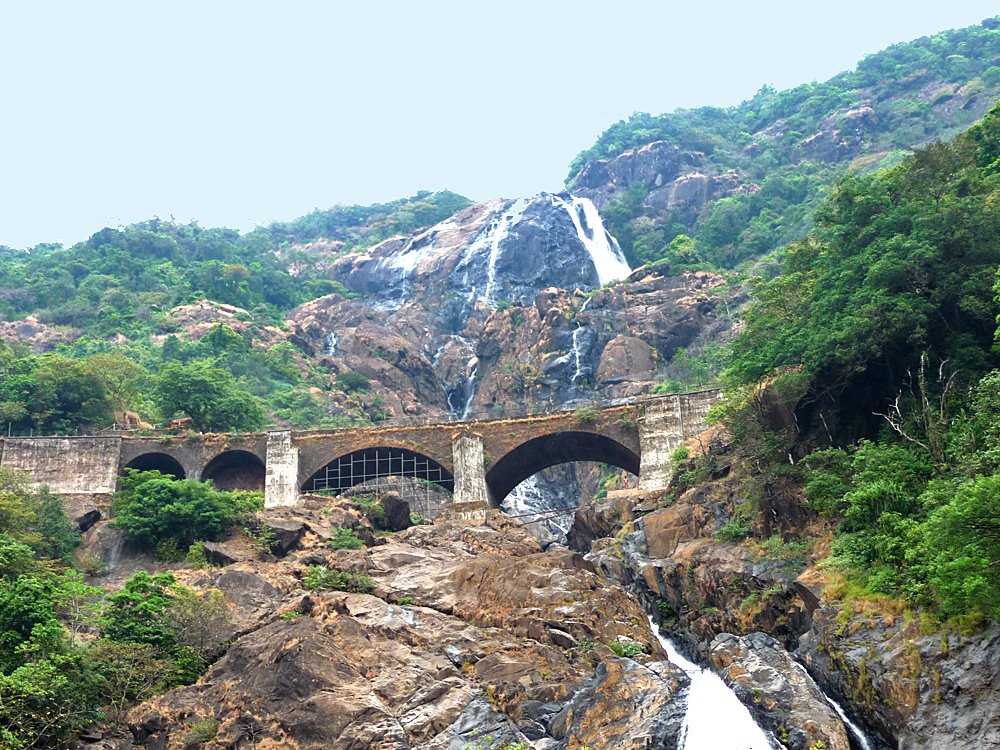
373,463
543,451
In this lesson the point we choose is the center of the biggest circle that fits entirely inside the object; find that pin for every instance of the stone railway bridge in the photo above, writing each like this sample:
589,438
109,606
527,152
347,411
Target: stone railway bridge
480,462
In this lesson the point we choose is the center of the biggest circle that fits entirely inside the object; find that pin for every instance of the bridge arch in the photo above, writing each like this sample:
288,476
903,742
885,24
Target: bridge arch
374,464
541,452
235,470
157,461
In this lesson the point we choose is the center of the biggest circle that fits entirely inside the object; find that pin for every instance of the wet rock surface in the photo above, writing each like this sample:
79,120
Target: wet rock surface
918,690
782,696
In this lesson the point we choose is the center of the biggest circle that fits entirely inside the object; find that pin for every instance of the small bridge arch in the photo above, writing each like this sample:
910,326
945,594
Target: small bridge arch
235,469
157,461
551,449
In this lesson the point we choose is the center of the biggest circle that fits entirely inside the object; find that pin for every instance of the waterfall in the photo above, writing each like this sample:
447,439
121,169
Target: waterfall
577,357
577,353
497,233
604,251
715,718
330,344
471,370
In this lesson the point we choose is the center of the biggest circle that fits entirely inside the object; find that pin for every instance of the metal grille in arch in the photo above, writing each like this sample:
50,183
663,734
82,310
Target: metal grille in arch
421,481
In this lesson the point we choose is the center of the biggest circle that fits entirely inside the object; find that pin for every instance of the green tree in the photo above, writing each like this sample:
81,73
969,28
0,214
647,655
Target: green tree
121,378
210,396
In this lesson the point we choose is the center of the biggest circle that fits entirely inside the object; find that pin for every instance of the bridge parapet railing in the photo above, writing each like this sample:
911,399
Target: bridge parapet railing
480,415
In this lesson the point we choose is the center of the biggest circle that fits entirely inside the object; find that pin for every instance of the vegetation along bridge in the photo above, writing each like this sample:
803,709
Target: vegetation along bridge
477,462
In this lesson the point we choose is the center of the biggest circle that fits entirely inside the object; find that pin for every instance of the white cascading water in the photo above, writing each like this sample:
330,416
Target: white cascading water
497,233
330,344
715,719
409,257
471,370
577,354
605,254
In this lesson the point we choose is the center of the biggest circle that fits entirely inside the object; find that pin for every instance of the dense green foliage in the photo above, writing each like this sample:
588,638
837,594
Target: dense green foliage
901,267
209,395
881,327
149,636
912,89
222,381
51,392
151,508
125,280
360,226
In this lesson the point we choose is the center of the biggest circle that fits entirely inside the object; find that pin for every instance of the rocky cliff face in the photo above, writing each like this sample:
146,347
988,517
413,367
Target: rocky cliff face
505,308
498,252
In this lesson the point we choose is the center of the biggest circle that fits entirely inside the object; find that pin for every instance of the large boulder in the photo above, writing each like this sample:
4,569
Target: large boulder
779,693
627,706
396,512
285,534
626,358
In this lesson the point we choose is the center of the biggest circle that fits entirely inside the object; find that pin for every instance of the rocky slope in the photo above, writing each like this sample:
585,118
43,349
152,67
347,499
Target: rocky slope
468,635
743,180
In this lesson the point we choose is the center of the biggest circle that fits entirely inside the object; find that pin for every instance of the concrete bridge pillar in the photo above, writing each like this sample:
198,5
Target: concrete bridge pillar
661,431
472,498
281,478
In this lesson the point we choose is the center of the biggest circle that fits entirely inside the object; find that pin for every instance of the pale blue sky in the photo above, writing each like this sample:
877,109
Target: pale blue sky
241,113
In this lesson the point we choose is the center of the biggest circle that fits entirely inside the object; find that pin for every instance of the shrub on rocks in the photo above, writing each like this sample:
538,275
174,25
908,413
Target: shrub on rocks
344,538
320,577
152,508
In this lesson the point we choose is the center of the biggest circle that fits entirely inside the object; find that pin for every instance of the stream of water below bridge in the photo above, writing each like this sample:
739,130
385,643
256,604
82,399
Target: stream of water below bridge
715,719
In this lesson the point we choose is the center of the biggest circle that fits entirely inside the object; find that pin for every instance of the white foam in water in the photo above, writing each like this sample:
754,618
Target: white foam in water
605,254
715,719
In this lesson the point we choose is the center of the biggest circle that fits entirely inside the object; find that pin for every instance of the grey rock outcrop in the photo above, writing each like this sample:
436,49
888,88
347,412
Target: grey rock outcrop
778,692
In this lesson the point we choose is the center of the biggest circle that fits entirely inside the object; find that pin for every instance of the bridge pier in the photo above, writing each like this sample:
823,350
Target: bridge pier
661,430
281,477
471,496
665,425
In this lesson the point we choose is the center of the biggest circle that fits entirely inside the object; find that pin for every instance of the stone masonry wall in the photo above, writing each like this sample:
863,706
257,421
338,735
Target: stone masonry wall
67,466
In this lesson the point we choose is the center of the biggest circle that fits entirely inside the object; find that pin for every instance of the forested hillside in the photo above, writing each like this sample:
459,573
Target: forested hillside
105,313
748,178
879,335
